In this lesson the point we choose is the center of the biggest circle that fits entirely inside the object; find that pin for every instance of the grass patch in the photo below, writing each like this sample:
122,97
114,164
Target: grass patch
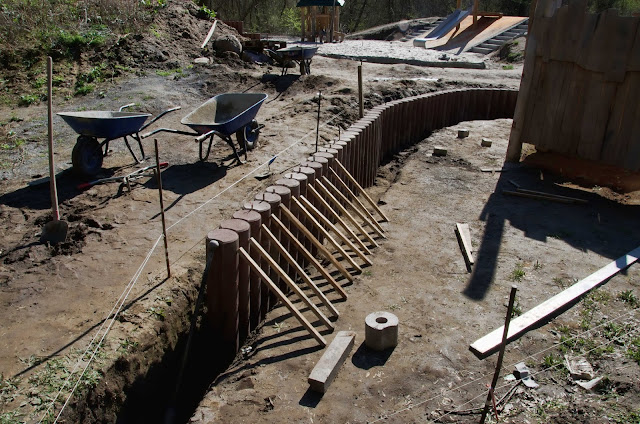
629,298
518,273
170,72
507,67
29,99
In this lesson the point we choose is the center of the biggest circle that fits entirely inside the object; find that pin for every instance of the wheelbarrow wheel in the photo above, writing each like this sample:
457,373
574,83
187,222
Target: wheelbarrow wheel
86,156
248,135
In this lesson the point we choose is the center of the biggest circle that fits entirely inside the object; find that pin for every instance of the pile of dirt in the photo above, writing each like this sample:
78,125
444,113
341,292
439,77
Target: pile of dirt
169,43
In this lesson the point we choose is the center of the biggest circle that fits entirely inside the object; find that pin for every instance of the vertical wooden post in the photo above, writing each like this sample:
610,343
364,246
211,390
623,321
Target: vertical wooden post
360,95
496,374
164,225
249,296
243,229
222,289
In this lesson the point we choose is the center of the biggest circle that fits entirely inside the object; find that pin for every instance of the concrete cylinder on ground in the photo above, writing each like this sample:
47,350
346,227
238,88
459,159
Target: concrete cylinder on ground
222,289
264,209
252,298
243,229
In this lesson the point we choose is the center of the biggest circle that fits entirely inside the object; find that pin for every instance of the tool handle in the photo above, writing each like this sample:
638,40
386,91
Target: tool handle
84,186
204,136
52,166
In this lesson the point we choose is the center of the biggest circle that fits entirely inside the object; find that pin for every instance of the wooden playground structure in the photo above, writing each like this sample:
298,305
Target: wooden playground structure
321,20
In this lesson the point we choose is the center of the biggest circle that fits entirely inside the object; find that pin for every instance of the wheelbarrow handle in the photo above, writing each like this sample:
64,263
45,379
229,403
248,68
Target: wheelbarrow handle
160,116
126,106
204,136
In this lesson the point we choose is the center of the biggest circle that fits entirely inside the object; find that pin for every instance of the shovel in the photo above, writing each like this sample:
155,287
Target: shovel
54,231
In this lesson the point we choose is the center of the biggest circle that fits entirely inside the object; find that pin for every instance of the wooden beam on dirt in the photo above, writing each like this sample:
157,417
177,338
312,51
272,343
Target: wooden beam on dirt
538,195
552,307
464,238
271,285
210,34
298,269
309,257
332,359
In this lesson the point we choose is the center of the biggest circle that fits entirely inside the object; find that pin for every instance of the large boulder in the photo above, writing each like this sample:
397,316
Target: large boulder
228,43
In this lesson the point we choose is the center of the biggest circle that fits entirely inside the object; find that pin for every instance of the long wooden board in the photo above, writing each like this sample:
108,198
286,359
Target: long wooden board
552,307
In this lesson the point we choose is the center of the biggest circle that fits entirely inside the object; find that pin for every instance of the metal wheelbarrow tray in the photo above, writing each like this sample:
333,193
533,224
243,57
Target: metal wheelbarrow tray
299,54
224,115
88,154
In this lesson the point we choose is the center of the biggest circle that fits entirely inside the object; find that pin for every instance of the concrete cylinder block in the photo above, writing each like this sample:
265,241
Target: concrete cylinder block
381,330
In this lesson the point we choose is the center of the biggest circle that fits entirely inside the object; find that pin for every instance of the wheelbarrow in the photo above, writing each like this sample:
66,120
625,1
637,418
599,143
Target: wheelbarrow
299,54
88,153
222,116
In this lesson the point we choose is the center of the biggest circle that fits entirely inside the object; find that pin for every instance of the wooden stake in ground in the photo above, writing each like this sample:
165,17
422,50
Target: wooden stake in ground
308,256
360,94
326,234
298,269
291,217
164,225
359,187
338,219
294,311
496,374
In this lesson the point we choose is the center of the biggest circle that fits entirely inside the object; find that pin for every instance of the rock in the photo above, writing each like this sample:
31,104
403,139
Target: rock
486,142
201,60
579,368
228,43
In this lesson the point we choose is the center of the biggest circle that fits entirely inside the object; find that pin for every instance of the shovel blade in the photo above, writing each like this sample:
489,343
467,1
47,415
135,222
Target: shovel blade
54,232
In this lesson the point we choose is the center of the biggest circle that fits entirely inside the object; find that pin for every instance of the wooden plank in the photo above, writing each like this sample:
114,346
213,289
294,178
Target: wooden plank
557,196
325,221
291,284
332,359
361,190
213,28
294,311
464,238
344,199
338,219
303,275
544,196
355,199
552,307
325,252
346,213
309,257
326,234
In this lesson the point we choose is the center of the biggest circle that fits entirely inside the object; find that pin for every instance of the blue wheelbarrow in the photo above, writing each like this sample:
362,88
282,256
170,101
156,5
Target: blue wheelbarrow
87,155
222,116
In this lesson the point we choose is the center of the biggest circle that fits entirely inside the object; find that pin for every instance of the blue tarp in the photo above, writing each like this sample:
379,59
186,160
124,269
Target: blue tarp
306,3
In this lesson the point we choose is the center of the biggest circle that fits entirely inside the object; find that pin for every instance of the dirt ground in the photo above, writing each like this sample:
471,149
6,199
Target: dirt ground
56,300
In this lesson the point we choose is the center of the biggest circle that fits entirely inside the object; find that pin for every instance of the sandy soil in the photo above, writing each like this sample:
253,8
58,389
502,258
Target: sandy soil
56,299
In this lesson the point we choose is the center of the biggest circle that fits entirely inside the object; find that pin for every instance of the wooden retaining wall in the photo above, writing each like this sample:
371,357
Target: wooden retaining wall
238,299
580,88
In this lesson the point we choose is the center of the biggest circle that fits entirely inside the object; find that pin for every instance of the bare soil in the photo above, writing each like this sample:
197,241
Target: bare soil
56,299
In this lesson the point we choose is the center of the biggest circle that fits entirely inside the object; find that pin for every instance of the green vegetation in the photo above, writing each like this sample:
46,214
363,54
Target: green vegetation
507,67
630,298
518,273
157,312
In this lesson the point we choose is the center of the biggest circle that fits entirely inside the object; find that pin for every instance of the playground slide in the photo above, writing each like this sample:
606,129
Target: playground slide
445,26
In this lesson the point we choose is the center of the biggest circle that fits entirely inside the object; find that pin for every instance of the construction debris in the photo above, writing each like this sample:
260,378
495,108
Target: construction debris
486,142
522,373
439,151
464,239
463,133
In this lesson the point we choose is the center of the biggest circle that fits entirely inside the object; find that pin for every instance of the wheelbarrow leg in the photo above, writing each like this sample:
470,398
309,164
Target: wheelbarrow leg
203,158
126,142
235,151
